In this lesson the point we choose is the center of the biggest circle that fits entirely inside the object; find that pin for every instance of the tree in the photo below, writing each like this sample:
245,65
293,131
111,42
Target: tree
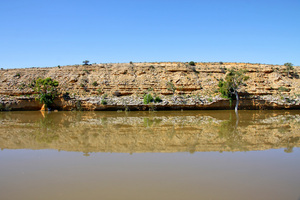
46,89
289,67
85,62
229,87
192,63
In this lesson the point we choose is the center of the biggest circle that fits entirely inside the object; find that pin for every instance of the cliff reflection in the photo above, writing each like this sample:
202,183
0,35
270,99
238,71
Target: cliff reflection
188,131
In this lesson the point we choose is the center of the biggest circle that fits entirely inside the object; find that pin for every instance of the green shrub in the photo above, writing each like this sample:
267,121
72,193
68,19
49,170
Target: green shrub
148,98
171,87
157,99
99,91
103,102
95,83
104,95
46,89
86,71
283,89
192,63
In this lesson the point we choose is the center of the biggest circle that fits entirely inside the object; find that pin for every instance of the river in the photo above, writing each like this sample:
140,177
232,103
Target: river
150,155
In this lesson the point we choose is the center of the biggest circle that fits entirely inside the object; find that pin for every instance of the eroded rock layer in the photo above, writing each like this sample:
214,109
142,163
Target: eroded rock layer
179,85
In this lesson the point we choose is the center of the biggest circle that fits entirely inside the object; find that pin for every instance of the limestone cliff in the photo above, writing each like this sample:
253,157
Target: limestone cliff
179,85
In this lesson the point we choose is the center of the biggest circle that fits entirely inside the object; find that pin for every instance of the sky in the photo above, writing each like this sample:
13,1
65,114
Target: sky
41,33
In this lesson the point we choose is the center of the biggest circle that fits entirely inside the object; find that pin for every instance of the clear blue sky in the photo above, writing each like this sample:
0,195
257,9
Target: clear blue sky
40,33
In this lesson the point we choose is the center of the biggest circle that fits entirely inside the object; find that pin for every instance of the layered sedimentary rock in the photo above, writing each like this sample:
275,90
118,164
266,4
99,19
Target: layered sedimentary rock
179,85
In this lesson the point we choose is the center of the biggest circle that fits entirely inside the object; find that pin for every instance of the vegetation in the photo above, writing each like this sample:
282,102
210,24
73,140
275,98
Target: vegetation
148,98
289,67
170,86
157,99
99,91
85,62
192,63
230,86
95,83
46,89
283,89
103,102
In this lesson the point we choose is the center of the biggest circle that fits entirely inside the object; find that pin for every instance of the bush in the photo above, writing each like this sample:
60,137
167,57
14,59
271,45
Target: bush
95,83
103,102
46,89
99,91
192,63
148,98
157,99
283,89
171,87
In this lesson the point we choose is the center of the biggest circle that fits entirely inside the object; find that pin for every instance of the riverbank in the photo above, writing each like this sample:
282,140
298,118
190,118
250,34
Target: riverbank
177,86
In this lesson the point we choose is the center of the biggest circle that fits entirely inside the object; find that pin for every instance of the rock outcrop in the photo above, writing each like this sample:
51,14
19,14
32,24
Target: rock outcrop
179,85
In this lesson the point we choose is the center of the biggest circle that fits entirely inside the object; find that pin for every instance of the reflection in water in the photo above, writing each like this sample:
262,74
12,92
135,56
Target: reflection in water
188,131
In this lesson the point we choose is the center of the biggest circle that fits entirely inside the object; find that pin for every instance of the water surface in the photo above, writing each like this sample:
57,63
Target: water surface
150,155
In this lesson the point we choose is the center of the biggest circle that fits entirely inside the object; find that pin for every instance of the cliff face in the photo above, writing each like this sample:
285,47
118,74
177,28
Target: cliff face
179,85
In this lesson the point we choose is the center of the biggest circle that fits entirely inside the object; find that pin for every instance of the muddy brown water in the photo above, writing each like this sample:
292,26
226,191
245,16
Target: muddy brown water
150,155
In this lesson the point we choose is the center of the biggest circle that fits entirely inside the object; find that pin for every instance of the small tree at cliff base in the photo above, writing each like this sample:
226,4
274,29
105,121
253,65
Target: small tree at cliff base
46,89
229,87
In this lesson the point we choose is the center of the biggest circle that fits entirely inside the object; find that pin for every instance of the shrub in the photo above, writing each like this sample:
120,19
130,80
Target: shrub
283,89
99,91
103,102
104,96
192,63
95,83
157,99
171,87
46,89
131,62
148,98
221,63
